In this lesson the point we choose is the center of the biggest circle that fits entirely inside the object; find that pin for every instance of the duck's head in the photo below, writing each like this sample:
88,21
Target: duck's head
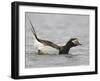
73,42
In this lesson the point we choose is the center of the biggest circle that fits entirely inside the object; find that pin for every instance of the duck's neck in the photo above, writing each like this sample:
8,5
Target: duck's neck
65,49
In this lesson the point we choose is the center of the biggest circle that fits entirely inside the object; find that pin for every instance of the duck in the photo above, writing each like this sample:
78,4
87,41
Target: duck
48,47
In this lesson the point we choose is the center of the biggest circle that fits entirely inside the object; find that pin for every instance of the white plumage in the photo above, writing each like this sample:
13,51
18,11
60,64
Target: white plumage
45,49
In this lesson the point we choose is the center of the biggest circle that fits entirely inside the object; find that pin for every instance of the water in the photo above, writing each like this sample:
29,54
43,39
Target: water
57,28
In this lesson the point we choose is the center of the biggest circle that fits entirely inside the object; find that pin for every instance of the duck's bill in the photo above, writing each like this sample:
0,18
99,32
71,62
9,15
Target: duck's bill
80,44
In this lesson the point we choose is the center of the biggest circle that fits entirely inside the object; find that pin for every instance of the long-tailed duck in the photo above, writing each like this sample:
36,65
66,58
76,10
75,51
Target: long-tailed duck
48,47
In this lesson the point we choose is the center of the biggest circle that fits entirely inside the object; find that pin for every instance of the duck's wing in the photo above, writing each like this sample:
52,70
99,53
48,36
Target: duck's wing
49,43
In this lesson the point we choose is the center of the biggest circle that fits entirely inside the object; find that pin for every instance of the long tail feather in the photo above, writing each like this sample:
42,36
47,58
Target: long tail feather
32,28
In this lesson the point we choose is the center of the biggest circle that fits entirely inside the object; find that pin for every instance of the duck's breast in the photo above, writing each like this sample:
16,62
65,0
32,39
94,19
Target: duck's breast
49,50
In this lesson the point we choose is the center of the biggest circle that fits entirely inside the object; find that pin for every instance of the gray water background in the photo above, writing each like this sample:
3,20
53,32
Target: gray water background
58,28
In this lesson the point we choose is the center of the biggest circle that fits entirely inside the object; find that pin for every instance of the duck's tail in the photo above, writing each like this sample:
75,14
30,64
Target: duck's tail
32,28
